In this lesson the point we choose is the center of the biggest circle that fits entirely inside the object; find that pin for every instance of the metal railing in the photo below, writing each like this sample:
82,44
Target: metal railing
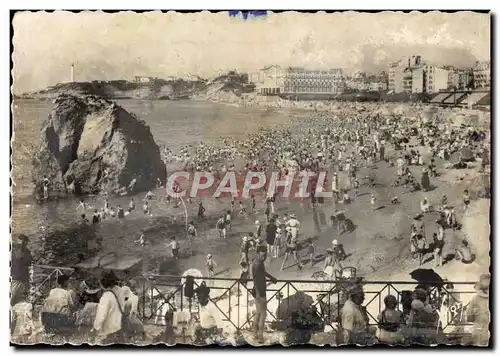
42,279
232,299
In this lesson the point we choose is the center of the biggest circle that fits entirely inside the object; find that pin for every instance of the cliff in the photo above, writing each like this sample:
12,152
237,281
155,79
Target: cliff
155,89
90,145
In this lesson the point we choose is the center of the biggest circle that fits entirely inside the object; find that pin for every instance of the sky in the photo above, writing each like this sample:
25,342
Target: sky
123,45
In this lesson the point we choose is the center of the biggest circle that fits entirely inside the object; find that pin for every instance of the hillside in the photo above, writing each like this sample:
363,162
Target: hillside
230,84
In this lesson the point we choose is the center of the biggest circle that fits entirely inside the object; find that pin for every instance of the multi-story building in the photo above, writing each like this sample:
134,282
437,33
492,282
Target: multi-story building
466,79
436,79
407,80
418,77
139,79
269,80
460,78
453,77
378,86
305,81
482,75
395,76
274,80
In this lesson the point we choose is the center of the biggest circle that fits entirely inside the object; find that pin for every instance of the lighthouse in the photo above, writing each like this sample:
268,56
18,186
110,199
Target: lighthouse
72,73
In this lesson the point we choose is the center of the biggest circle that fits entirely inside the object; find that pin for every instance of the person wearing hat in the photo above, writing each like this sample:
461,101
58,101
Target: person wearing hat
221,227
425,181
332,266
338,250
109,313
478,312
21,262
353,320
291,249
294,226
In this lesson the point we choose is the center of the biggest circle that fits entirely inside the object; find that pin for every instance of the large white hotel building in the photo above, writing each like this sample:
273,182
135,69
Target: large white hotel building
274,80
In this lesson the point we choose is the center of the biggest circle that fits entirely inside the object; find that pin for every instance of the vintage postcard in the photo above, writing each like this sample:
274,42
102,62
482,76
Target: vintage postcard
256,178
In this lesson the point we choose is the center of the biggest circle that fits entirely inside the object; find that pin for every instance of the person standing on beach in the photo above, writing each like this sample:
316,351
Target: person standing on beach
335,187
466,199
267,212
191,234
271,231
201,210
291,249
228,220
174,244
210,265
259,275
221,227
373,201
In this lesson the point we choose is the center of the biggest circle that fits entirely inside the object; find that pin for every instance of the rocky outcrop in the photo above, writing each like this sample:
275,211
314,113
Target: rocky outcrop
90,145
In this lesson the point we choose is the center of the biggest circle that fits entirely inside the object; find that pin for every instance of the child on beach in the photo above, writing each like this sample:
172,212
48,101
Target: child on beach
278,240
174,244
464,253
131,205
243,210
356,187
146,208
373,201
244,272
210,265
466,199
228,219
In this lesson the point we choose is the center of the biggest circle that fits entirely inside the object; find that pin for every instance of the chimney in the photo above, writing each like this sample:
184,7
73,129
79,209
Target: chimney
72,73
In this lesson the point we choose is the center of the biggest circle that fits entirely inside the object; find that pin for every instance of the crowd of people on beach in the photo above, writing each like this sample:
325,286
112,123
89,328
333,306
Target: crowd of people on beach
343,142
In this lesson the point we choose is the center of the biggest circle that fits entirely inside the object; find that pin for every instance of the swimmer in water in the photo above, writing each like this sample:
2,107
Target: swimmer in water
81,205
146,208
45,183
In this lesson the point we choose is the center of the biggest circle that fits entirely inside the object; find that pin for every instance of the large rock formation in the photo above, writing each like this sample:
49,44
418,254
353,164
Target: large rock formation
90,145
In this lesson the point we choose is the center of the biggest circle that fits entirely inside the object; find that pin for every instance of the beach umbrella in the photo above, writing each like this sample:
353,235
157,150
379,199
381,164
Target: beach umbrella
198,276
427,277
467,154
295,303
